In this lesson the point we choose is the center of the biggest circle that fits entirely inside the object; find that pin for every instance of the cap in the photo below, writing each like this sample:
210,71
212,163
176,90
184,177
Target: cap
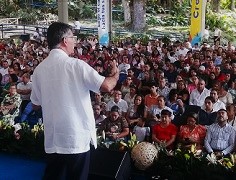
222,110
202,68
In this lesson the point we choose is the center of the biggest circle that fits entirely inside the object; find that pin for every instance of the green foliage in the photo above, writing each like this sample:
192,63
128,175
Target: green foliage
154,21
28,15
225,21
23,141
6,8
180,14
185,165
225,4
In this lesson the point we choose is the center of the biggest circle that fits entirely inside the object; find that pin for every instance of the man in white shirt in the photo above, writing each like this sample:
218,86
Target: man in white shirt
4,69
61,85
24,89
118,101
217,104
77,26
198,95
220,137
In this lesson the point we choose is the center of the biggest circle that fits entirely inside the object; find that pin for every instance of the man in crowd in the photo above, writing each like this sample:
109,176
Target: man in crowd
220,137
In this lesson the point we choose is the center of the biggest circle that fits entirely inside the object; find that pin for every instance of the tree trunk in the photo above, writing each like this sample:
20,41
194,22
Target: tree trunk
127,15
138,15
232,5
216,5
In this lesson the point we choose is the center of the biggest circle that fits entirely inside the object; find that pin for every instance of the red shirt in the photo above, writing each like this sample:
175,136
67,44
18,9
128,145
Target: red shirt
164,133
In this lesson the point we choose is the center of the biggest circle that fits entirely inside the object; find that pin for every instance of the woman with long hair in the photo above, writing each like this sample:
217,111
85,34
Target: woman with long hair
136,111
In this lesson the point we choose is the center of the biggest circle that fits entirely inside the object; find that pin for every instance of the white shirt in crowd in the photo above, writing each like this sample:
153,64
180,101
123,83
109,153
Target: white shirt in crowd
197,98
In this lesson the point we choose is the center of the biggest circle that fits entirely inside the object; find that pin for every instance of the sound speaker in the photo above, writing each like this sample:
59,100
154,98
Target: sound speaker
25,37
109,165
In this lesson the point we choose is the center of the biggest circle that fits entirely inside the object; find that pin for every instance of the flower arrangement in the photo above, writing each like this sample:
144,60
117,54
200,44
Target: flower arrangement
21,138
178,164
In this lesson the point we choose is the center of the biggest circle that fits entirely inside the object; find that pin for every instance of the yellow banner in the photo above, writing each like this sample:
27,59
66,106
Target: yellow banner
197,26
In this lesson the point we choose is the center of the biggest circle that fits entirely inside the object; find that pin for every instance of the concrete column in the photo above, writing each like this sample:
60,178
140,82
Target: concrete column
63,11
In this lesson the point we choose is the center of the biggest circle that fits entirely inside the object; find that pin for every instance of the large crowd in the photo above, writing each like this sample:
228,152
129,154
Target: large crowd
174,94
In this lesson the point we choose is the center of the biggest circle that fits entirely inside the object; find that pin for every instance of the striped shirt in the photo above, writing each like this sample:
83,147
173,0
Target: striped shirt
220,138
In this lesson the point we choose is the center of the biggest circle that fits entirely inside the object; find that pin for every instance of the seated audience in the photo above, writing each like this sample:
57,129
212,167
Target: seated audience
165,132
207,115
141,131
115,126
98,116
118,101
220,136
192,132
136,111
231,115
10,106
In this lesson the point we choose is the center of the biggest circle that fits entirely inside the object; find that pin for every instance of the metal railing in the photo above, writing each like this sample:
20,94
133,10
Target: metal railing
8,30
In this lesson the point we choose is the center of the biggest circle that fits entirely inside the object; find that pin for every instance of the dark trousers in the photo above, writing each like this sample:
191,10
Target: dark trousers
67,166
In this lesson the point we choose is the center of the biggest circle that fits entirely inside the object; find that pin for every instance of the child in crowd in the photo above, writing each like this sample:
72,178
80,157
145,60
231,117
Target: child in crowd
142,133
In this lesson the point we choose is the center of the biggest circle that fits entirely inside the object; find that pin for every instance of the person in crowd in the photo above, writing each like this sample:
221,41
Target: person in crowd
163,89
141,131
224,95
136,111
165,133
12,80
24,89
61,85
192,133
98,116
130,96
5,66
135,80
151,99
217,104
182,91
10,105
154,112
172,101
115,126
118,101
194,82
220,136
123,68
207,115
125,87
231,115
147,81
98,99
77,26
199,94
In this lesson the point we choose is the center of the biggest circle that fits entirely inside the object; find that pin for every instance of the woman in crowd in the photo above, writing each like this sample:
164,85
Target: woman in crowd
17,69
192,133
136,111
115,126
183,93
